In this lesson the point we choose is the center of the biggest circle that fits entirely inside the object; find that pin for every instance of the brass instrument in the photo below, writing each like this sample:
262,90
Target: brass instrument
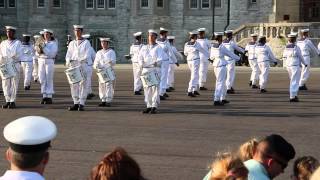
40,44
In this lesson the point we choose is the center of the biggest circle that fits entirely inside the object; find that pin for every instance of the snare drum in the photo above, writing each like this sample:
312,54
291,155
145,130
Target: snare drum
106,75
75,74
150,79
8,70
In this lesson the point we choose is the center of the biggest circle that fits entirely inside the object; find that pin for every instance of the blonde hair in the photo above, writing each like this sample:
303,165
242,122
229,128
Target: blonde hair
247,149
303,167
228,167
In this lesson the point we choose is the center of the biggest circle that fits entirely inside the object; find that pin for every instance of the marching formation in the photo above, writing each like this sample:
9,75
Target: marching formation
153,65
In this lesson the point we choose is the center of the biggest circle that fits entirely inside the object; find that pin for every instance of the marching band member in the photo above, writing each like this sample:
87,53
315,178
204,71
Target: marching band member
204,63
163,42
250,48
134,52
264,56
90,68
105,58
26,60
11,52
308,49
173,64
46,60
78,54
294,59
218,52
231,71
150,59
35,60
191,50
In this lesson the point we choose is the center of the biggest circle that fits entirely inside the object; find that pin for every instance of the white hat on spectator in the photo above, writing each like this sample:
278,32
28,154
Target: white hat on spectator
163,29
201,29
10,28
48,30
254,35
102,39
26,35
218,33
305,30
76,26
171,37
137,34
228,32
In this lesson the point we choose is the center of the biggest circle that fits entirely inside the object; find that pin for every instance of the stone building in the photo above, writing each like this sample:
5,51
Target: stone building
119,19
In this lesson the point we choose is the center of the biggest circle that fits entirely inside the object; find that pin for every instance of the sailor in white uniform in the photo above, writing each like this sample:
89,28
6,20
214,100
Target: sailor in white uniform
308,50
90,68
204,63
29,140
35,60
173,64
218,52
11,52
293,57
26,60
134,53
252,57
231,71
105,58
264,56
78,54
150,59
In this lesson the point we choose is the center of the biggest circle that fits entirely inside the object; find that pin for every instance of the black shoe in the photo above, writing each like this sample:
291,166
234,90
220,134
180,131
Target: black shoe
137,93
166,95
168,90
250,83
196,93
230,91
141,89
218,103
108,104
263,91
225,101
154,110
48,101
304,87
171,88
295,99
146,111
81,107
5,106
12,105
190,94
90,96
254,87
1,92
26,88
43,101
102,104
36,80
75,107
203,88
162,98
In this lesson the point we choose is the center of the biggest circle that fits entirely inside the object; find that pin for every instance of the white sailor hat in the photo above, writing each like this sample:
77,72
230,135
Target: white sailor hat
48,30
228,31
254,35
26,35
171,37
163,29
86,36
152,31
10,28
193,32
292,35
30,134
218,33
41,32
36,36
201,29
305,30
104,39
76,26
137,34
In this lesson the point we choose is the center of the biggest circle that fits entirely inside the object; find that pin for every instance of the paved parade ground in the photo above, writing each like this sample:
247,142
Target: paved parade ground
178,143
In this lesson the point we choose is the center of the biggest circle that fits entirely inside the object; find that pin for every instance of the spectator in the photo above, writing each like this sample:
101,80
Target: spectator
117,165
247,149
303,167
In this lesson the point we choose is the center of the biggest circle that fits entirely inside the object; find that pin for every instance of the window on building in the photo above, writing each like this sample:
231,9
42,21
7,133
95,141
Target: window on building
40,3
12,4
205,4
160,3
100,4
193,4
253,1
2,4
112,4
217,3
89,4
57,3
144,3
315,12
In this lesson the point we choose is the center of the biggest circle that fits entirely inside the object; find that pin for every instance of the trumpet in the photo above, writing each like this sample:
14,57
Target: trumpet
39,45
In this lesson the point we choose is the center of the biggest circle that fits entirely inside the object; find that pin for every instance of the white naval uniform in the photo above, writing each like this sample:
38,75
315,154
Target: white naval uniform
307,49
191,50
46,68
21,175
12,50
218,52
78,54
172,66
264,56
164,43
150,59
35,65
134,53
26,63
90,69
294,59
204,63
250,48
231,71
105,59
